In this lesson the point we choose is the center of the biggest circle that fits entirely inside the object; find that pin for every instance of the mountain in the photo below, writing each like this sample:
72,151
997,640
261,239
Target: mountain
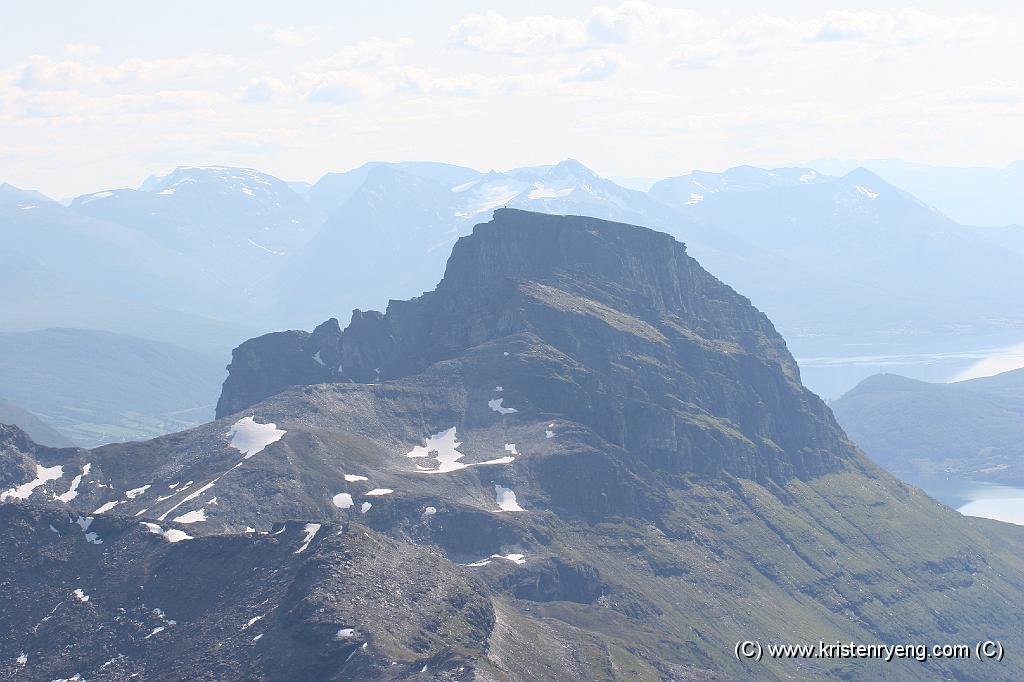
103,257
374,245
691,188
62,268
334,189
1010,237
846,266
990,197
580,456
968,431
236,225
38,430
874,271
35,298
97,387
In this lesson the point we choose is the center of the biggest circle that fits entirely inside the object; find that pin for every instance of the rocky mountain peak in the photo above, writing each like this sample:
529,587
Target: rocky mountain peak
620,311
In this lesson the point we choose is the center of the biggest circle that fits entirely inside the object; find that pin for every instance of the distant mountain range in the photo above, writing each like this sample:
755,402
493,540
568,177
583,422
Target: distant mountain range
205,257
989,197
244,250
969,430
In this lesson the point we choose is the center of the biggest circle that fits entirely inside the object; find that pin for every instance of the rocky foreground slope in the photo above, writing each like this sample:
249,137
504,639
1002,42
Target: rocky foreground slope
580,457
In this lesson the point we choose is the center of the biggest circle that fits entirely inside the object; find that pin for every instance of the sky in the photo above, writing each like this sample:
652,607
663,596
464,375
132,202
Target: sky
99,95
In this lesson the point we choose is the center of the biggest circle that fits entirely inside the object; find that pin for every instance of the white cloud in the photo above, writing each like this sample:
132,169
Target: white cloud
423,82
769,34
288,36
992,91
699,56
41,72
491,32
906,27
373,52
641,21
597,67
630,21
262,89
341,87
82,50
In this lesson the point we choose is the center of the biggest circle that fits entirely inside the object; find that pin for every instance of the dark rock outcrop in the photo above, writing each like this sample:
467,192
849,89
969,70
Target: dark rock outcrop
651,351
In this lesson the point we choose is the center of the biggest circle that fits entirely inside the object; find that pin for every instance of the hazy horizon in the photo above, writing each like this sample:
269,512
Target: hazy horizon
634,89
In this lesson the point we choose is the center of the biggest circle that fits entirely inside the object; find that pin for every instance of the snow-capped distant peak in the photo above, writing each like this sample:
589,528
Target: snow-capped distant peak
866,192
224,180
541,191
464,186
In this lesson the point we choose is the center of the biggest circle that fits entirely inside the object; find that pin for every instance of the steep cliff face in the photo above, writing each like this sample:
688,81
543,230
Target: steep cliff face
587,457
268,364
652,351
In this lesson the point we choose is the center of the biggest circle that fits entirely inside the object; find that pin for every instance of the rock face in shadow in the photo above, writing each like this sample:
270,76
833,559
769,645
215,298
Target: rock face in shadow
641,344
580,457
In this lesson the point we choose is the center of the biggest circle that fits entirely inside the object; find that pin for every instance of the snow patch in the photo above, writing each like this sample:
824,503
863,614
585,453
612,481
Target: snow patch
72,491
342,500
506,499
430,511
352,478
511,447
250,438
365,507
311,530
539,191
135,492
96,195
517,559
82,596
191,496
443,447
192,516
252,621
92,538
496,405
171,535
318,359
43,475
377,492
464,186
866,192
105,507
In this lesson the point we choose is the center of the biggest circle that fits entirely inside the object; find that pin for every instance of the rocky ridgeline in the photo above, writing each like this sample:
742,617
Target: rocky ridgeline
660,357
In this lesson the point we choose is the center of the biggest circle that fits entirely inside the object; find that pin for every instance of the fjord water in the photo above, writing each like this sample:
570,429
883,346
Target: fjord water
977,498
932,358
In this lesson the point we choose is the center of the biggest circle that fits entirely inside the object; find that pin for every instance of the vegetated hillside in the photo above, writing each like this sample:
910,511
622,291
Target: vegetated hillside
99,387
36,428
580,457
969,430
